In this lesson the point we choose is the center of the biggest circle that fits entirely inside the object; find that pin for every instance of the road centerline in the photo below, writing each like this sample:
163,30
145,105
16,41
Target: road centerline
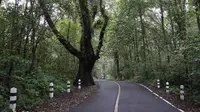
117,99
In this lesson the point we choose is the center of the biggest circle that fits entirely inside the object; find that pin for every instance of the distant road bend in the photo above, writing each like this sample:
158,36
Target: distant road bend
123,97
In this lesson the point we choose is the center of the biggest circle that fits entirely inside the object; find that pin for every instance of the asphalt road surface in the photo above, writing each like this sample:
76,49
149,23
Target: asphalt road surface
123,97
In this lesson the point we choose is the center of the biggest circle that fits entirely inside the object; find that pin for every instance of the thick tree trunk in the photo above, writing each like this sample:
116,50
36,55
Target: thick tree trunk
86,55
85,72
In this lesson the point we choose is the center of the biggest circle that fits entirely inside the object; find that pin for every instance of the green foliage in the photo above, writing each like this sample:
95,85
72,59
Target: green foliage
33,90
69,28
3,103
31,57
193,87
196,98
150,47
175,90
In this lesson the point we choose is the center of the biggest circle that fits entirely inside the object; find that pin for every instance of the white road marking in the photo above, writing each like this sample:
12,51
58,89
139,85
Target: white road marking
162,98
117,100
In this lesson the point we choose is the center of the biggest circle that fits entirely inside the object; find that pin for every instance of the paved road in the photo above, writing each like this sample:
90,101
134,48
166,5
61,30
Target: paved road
133,98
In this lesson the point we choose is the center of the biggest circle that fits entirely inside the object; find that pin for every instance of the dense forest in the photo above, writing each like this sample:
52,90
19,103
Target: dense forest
155,39
43,41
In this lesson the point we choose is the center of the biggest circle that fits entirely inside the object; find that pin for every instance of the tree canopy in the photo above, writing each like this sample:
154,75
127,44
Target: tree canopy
155,39
43,41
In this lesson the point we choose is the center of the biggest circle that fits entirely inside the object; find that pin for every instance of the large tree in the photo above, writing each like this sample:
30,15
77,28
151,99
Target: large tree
87,56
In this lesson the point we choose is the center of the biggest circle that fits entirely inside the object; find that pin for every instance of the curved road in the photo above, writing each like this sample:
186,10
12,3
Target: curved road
133,98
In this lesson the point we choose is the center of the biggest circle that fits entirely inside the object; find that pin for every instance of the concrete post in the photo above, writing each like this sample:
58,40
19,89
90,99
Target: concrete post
68,87
158,83
182,92
167,87
13,98
79,84
51,90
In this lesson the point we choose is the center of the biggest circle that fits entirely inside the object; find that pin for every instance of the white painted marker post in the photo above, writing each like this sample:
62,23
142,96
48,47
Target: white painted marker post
182,92
79,84
167,87
158,84
13,98
68,87
51,90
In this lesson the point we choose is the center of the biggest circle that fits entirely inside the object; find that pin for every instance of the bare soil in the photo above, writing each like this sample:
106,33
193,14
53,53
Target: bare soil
65,101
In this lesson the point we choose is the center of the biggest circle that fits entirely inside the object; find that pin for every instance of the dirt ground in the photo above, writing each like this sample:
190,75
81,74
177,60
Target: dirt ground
185,105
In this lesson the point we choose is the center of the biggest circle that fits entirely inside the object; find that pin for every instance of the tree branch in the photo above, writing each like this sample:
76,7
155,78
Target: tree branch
101,36
60,37
94,11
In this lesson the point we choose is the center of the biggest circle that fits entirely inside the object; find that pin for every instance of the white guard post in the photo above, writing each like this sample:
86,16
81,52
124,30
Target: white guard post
68,87
79,84
158,83
51,90
167,87
13,98
182,92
